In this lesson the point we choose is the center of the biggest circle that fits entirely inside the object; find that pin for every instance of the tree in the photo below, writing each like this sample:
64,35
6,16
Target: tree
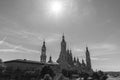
47,70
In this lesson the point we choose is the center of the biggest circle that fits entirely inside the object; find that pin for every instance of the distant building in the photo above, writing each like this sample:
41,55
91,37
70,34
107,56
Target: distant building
24,64
30,65
2,65
65,61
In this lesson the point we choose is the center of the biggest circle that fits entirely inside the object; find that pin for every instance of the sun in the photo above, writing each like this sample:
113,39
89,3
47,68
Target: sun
56,7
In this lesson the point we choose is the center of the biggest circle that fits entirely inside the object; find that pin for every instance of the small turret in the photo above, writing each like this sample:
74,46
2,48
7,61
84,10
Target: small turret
75,60
83,63
50,60
78,60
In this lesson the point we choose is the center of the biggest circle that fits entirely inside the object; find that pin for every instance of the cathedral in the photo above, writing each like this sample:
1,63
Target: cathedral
66,59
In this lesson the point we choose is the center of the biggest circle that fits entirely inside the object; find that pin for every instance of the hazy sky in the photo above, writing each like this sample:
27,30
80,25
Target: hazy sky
24,24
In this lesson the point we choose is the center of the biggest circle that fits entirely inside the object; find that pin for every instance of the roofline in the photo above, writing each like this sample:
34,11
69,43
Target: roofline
30,62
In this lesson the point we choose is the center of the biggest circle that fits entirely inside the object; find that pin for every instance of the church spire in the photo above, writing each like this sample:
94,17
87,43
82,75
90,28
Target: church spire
44,43
43,53
63,44
63,52
75,60
83,63
71,54
63,38
88,60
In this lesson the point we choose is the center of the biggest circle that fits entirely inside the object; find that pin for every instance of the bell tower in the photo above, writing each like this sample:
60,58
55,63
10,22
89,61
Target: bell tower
62,56
63,45
88,60
43,53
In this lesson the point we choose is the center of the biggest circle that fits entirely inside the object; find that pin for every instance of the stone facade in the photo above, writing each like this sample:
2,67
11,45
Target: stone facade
66,60
30,65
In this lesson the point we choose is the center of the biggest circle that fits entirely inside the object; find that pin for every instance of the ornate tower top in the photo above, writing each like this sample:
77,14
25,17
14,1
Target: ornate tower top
63,38
88,60
43,45
87,49
63,45
43,53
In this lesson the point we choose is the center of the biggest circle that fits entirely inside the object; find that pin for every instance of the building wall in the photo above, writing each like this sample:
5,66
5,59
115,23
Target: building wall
23,66
31,66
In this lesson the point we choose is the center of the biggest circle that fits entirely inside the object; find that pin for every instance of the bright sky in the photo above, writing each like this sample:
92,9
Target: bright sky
24,24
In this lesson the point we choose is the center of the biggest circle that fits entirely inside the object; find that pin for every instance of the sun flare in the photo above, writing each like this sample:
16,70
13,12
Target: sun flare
56,7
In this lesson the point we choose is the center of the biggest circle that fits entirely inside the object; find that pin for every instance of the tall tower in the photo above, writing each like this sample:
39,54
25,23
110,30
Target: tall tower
88,60
63,54
63,57
43,53
63,45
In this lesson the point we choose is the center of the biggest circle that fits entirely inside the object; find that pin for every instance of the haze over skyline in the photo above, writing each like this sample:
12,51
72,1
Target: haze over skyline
25,24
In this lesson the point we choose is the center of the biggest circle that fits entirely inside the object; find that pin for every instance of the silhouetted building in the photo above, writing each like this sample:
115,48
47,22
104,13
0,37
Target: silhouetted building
24,64
50,60
64,61
62,55
88,60
43,53
29,65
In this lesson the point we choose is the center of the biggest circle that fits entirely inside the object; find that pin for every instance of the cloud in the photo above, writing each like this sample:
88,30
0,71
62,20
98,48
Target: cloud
103,49
9,50
78,50
8,47
108,47
28,34
99,59
25,50
34,38
3,43
53,38
107,67
7,23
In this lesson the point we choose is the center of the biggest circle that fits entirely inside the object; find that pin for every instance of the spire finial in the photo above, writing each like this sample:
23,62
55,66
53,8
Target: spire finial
63,36
86,47
44,42
70,51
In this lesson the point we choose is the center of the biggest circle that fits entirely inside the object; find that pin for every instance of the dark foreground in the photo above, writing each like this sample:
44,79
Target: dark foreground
48,74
